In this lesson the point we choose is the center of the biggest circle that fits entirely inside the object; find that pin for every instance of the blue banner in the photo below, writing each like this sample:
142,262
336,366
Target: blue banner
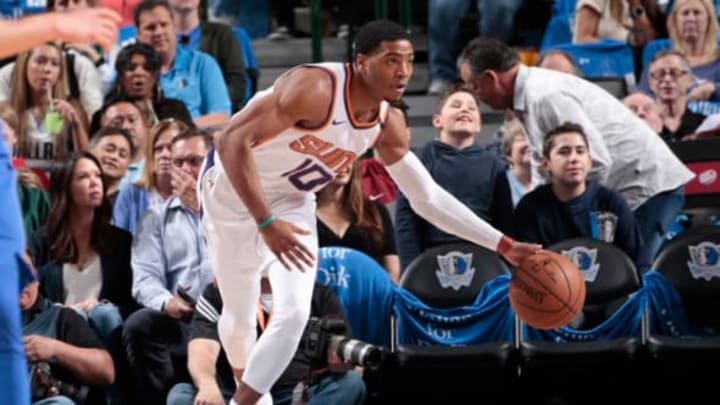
364,289
489,319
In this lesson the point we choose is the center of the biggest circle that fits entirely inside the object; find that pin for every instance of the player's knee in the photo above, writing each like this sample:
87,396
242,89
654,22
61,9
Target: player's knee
292,320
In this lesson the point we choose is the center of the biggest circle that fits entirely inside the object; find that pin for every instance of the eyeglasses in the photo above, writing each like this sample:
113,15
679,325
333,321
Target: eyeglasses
673,73
194,161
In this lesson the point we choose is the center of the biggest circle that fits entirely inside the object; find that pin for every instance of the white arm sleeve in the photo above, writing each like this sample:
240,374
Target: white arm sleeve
439,207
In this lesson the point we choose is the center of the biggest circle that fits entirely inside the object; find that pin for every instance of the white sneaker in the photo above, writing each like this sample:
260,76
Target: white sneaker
280,34
437,87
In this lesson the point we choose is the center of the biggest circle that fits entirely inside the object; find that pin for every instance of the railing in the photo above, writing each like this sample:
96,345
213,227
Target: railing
381,12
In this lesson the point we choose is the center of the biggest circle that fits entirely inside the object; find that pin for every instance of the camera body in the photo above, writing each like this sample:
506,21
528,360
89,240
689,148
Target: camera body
43,384
323,335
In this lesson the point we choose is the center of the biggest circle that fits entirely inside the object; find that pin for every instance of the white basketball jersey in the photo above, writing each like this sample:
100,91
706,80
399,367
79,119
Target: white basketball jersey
305,159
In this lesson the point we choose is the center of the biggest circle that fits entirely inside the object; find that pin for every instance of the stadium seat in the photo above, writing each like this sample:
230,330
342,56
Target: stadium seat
602,344
603,61
559,28
683,321
455,330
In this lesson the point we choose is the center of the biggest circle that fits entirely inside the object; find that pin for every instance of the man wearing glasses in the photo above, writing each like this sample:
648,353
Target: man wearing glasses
627,156
670,79
170,268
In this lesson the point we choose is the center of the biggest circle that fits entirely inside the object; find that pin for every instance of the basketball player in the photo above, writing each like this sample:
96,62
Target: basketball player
89,26
258,202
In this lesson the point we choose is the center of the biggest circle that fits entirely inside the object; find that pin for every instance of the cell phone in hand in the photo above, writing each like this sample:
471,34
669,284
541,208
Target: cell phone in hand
182,293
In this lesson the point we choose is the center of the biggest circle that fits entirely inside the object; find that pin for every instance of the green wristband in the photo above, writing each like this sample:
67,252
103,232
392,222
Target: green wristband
264,224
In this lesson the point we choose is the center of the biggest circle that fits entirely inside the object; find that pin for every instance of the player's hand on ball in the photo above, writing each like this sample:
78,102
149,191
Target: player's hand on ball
519,251
280,238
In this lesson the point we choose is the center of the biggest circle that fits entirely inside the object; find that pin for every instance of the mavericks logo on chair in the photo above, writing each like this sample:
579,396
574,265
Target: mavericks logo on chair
586,260
704,260
455,270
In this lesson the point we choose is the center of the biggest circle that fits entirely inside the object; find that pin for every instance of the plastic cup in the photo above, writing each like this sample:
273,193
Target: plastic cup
53,122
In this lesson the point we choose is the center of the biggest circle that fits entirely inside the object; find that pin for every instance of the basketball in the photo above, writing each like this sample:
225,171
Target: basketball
547,290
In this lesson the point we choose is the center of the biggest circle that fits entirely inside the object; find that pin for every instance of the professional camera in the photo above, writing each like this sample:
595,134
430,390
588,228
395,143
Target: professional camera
322,334
44,385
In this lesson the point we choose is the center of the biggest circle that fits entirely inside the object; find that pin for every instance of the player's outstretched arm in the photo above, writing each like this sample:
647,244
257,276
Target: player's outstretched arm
436,205
91,25
300,96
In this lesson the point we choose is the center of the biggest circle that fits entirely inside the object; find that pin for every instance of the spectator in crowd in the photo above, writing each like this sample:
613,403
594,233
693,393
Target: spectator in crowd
571,206
168,255
646,108
113,148
444,16
88,260
58,337
347,218
190,76
124,113
335,383
34,200
217,40
138,78
670,79
154,186
693,29
633,21
82,258
560,61
80,80
464,169
516,150
49,125
627,156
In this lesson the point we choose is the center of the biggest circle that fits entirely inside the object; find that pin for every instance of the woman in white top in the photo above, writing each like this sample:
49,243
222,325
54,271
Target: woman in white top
630,21
50,124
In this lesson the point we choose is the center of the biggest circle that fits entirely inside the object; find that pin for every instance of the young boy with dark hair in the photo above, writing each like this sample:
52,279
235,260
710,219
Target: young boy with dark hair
570,206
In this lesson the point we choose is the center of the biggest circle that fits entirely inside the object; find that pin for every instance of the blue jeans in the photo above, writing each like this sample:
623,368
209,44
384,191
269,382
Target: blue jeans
184,394
496,20
335,389
60,400
106,321
654,217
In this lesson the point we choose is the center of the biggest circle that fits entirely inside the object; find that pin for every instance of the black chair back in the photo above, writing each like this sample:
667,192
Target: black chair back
691,263
610,276
452,275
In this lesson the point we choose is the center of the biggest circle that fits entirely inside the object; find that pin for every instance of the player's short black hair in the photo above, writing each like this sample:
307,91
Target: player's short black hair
370,35
147,5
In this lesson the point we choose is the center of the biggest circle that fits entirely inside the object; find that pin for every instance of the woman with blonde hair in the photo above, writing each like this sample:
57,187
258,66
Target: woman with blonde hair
154,186
693,30
49,125
346,218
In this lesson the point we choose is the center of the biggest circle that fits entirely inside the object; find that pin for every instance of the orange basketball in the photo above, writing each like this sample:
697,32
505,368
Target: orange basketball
547,290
